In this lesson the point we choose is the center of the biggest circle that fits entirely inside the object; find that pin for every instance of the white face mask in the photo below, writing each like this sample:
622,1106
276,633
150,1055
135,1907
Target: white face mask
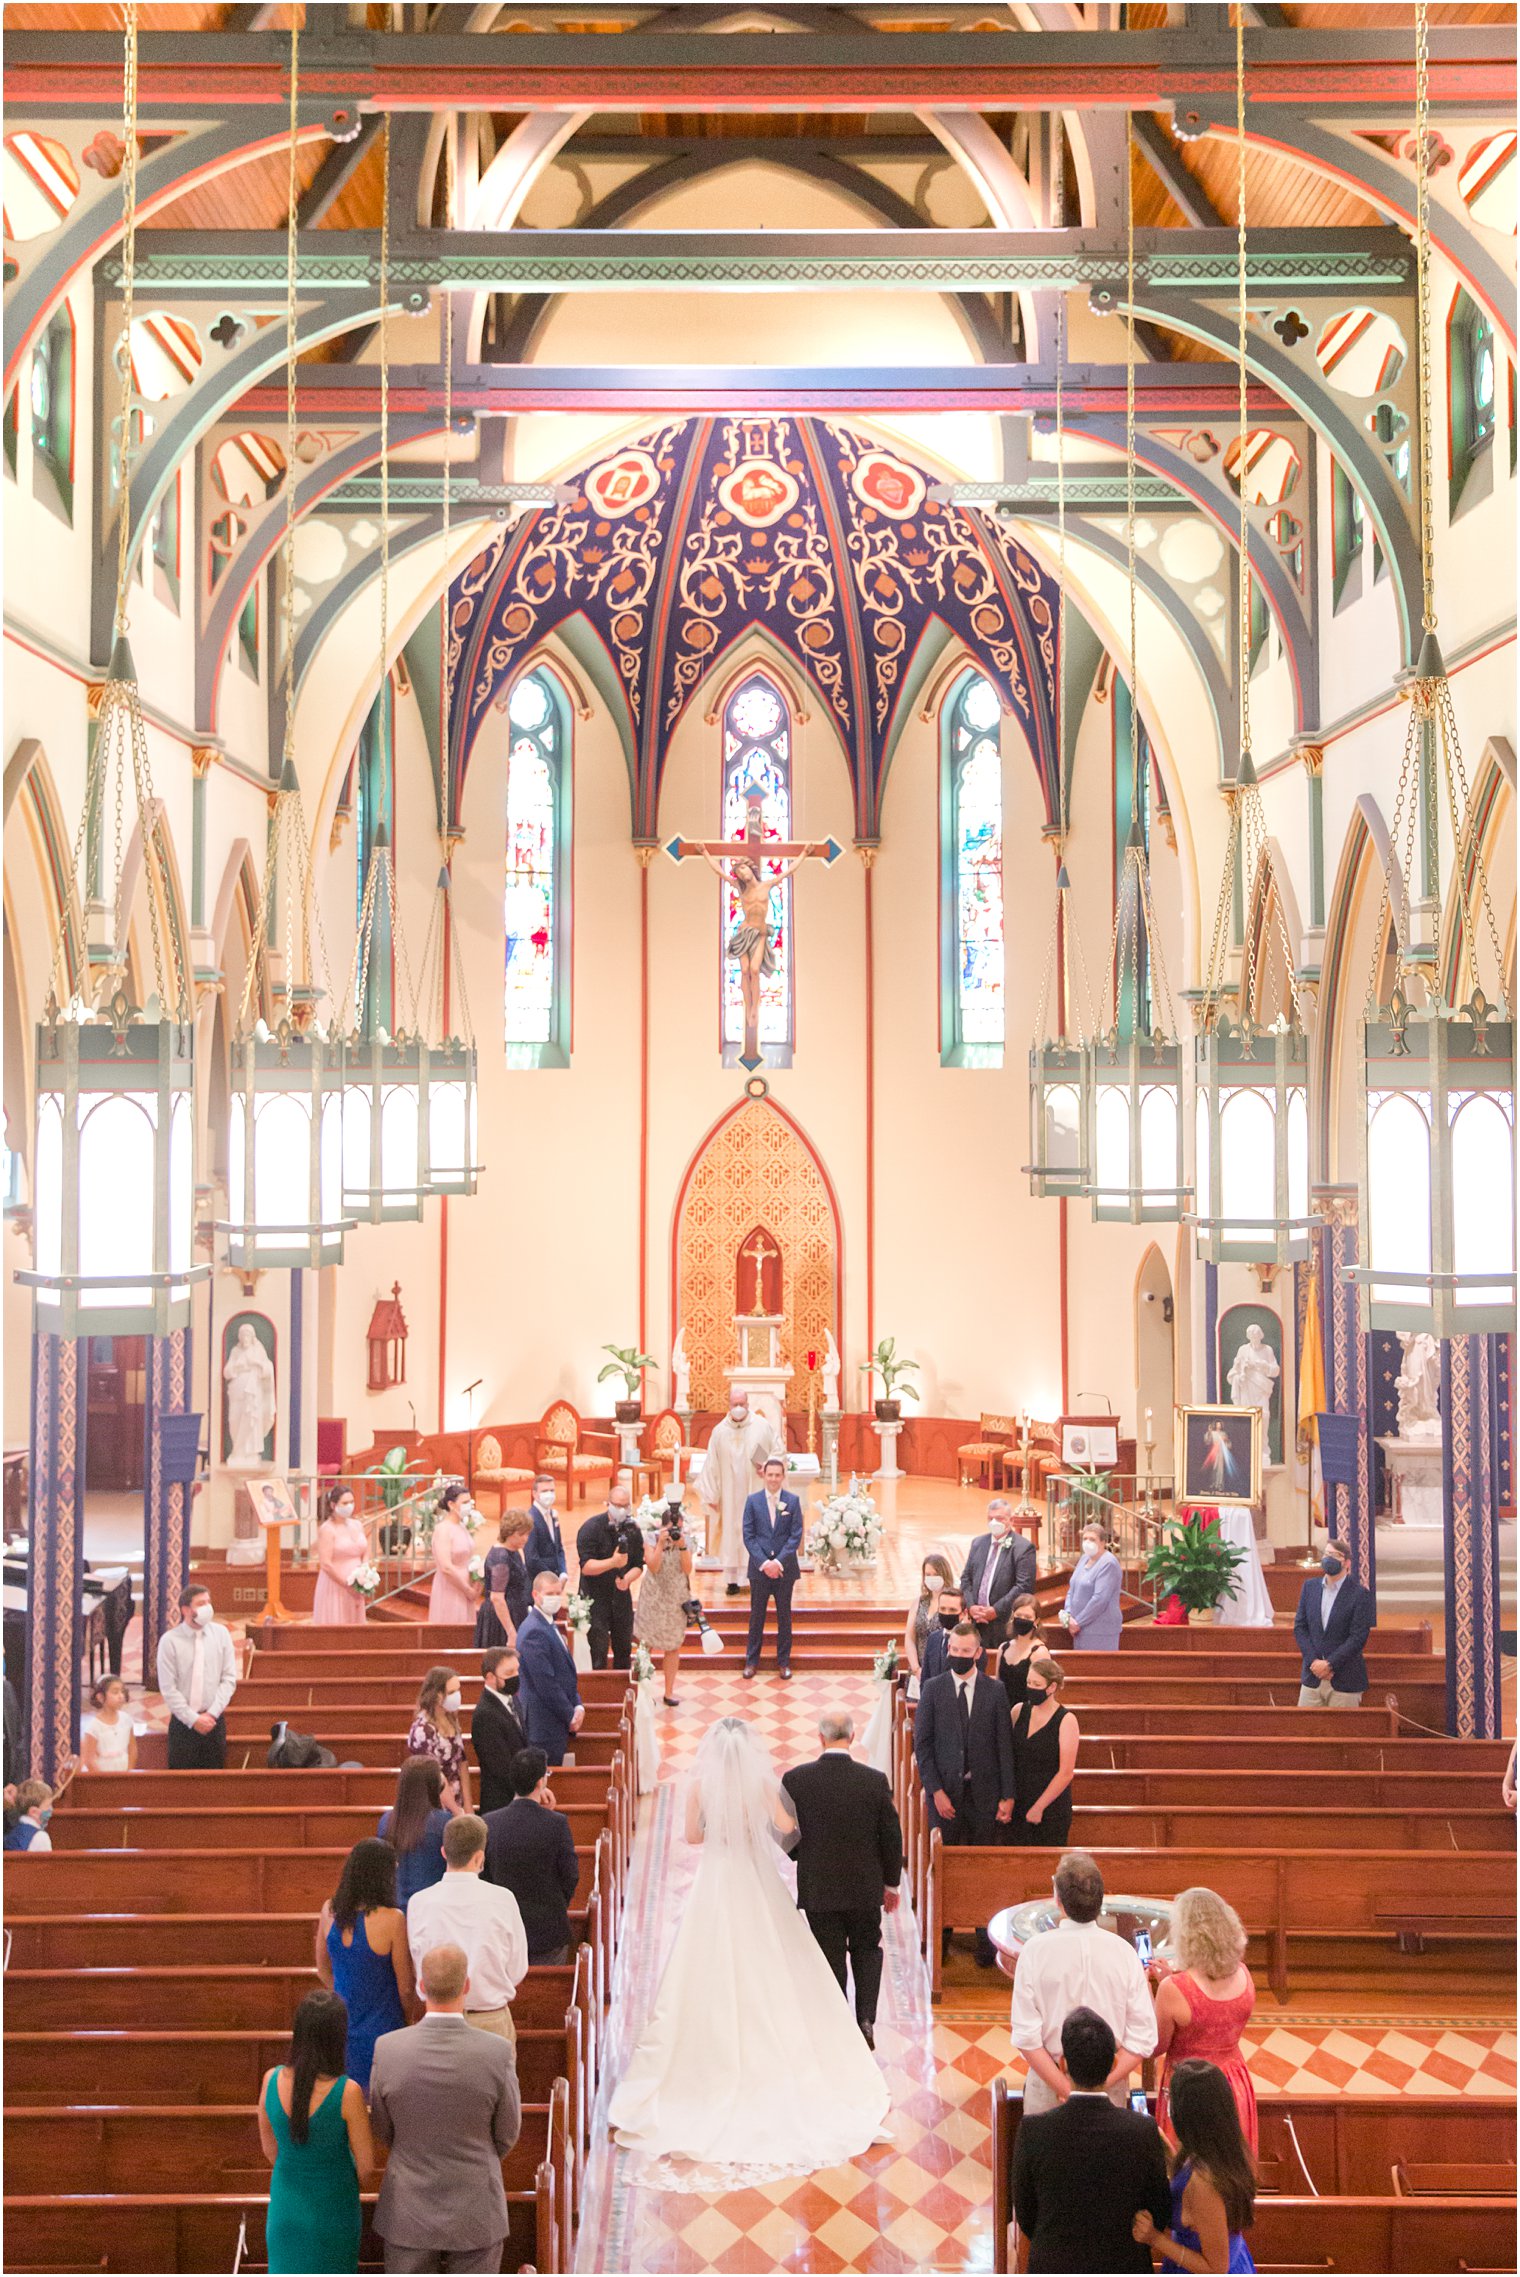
546,1498
203,1615
738,1415
453,1701
549,1606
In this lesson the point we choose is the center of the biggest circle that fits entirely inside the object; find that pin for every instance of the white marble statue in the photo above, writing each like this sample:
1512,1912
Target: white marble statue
728,1475
249,1377
831,1376
1419,1386
680,1371
1253,1377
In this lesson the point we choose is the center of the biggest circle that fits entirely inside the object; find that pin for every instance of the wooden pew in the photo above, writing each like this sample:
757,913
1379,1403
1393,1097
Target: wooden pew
1132,1826
379,1744
190,1880
375,1788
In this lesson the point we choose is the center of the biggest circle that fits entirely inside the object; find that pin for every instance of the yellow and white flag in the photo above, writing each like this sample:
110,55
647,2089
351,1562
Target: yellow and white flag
1312,1398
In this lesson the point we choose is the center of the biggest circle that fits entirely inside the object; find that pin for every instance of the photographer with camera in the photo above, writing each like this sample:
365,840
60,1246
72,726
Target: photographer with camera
610,1549
661,1619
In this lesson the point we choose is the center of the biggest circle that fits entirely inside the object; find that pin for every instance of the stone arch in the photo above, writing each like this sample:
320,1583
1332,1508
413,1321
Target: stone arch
1365,863
1488,850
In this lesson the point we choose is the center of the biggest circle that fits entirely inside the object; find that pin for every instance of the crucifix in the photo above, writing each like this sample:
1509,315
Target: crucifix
758,1251
752,943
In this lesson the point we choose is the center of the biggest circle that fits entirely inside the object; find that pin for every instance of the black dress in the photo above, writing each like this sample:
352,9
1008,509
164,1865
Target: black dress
1036,1760
508,1577
1014,1678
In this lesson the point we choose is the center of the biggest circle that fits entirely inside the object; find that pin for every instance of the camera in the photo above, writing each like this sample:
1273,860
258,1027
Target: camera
696,1618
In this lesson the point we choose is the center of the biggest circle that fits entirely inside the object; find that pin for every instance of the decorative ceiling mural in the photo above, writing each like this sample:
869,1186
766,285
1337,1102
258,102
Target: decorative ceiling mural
673,547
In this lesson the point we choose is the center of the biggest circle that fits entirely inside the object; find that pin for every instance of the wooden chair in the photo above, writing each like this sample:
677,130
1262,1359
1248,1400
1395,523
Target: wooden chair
560,1449
493,1474
989,1454
664,1437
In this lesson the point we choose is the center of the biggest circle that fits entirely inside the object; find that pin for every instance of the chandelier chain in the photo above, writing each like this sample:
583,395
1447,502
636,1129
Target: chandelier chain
1422,302
1243,665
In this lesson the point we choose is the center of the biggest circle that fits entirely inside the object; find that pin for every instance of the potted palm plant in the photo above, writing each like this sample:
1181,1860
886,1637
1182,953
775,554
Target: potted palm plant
885,1363
1195,1565
628,1363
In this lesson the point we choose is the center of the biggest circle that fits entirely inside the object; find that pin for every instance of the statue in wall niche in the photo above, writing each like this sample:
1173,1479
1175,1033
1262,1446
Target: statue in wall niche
249,1377
1419,1386
680,1371
1253,1376
831,1376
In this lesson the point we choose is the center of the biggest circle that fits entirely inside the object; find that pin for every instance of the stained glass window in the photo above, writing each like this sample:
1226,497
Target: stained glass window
52,392
757,761
537,940
974,1026
1473,389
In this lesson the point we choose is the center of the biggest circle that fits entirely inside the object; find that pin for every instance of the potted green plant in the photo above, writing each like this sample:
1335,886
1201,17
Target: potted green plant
1089,1494
1194,1564
628,1363
885,1363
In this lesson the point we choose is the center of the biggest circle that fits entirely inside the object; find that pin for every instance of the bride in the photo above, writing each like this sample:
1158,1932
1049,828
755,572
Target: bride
751,2060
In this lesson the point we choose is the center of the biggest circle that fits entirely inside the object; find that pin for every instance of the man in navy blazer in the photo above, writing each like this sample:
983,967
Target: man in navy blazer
544,1551
935,1657
1331,1627
772,1536
548,1696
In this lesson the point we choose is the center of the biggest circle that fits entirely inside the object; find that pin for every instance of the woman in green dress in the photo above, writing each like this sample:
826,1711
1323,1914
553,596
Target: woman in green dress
314,2127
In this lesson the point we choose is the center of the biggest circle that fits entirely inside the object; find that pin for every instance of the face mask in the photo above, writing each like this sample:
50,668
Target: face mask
453,1701
948,1620
43,1813
549,1606
510,1683
1328,1564
620,1511
1037,1696
995,1528
546,1498
963,1662
1022,1628
1092,1549
203,1616
738,1415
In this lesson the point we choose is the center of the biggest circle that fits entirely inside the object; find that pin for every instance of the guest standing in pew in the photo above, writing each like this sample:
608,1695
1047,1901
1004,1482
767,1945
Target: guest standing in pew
34,1807
923,1617
314,2131
496,1733
107,1741
1046,1737
1023,1640
549,1695
505,1600
1203,2007
452,1598
1092,1613
963,1746
1078,1964
343,1545
1087,2174
1331,1627
935,1658
362,1951
530,1850
466,1910
414,1827
197,1675
445,2105
1213,2179
436,1731
545,1552
1000,1566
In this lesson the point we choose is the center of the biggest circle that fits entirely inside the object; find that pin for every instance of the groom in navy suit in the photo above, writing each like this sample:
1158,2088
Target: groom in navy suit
772,1536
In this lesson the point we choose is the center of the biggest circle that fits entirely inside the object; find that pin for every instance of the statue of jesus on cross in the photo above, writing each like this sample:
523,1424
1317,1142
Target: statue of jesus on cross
752,944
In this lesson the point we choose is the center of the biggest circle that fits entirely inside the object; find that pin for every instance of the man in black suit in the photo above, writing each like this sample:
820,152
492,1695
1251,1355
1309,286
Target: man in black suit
495,1733
849,1860
530,1850
544,1550
935,1658
963,1745
1082,2172
1000,1566
1331,1628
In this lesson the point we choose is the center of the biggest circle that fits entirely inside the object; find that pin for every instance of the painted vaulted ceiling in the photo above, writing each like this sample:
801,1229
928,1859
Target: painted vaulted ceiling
671,549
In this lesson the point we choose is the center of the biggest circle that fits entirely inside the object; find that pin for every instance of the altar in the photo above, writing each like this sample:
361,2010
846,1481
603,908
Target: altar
761,1374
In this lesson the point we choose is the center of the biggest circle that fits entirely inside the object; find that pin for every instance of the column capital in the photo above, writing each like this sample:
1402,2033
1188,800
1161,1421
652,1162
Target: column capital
203,757
1312,755
1337,1205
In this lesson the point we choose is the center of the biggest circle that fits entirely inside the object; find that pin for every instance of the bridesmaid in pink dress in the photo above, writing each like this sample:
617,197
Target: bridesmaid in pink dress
453,1597
342,1547
1202,2008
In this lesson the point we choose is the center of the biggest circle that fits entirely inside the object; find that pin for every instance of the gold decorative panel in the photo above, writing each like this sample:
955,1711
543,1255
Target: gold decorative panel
755,1169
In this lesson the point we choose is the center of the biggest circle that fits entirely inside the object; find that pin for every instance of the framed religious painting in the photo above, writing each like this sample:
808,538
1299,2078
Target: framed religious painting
1218,1456
273,1502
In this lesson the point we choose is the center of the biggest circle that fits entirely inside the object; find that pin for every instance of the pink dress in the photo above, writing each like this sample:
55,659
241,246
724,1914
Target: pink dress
453,1599
1213,2031
335,1605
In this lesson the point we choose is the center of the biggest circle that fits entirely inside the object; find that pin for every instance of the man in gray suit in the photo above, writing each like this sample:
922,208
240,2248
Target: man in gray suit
444,2101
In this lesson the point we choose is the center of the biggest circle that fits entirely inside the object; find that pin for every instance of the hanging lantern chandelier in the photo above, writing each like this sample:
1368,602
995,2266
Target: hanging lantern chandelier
1436,1179
1251,1101
113,1185
1134,1070
1059,1065
284,1151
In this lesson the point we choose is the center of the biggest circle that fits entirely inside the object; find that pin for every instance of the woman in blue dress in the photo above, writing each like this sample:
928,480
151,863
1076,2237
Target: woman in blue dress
362,1952
1092,1611
1213,2178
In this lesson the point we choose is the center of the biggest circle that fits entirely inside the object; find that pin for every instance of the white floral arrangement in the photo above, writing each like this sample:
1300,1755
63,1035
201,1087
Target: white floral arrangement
577,1612
848,1527
650,1514
366,1582
884,1666
476,1569
641,1667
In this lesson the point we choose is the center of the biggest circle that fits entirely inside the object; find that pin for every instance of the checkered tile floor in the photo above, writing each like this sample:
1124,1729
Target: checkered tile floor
924,2200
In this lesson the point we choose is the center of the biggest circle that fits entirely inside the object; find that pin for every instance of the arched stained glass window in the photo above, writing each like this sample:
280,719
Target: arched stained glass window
757,762
537,994
974,1015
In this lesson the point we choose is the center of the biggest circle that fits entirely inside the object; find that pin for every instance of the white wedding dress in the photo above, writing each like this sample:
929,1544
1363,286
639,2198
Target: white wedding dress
751,2065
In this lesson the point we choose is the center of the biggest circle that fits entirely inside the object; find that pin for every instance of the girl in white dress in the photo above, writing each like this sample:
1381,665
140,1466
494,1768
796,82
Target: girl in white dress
751,2064
107,1741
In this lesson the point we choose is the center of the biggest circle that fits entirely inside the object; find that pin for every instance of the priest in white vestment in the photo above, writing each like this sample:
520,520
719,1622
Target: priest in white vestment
728,1477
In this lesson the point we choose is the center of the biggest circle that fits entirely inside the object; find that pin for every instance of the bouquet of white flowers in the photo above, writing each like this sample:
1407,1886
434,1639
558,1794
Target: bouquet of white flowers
884,1666
577,1612
641,1667
847,1532
650,1514
476,1569
366,1582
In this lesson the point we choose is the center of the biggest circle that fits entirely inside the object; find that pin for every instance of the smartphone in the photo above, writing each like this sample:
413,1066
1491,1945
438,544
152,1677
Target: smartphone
1137,2101
1143,1947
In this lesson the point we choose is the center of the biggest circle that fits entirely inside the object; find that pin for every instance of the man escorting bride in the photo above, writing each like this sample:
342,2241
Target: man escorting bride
752,2064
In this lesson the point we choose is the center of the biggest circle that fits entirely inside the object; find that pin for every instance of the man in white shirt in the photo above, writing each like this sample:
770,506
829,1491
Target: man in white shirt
482,1920
197,1675
1078,1964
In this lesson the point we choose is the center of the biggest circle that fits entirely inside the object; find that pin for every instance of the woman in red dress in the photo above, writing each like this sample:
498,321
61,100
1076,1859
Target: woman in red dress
1203,2007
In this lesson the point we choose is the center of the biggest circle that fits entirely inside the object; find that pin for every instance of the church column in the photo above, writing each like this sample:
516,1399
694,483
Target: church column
166,1500
1470,1509
54,1629
1346,1372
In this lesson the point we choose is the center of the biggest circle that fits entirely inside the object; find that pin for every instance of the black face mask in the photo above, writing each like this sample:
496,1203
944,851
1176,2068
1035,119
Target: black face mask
948,1620
1023,1628
510,1683
1330,1565
962,1663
